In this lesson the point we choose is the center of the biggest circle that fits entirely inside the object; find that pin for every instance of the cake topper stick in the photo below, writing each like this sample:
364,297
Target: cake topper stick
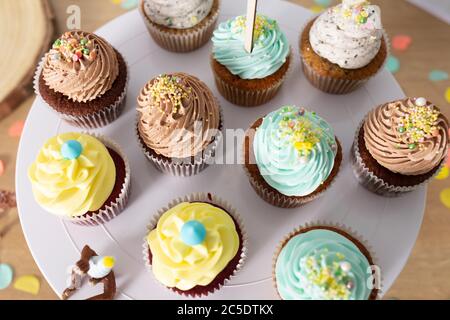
250,25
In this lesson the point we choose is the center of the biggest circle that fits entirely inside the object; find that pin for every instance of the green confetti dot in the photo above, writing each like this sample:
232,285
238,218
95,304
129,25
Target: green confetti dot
393,64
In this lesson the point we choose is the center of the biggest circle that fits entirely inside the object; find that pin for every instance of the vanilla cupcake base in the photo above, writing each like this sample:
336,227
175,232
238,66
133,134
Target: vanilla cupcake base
182,40
204,198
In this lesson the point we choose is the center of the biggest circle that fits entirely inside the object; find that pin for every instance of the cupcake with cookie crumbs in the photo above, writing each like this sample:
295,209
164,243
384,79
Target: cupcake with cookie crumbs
344,47
180,25
81,178
325,262
250,79
84,79
195,245
400,145
179,124
291,156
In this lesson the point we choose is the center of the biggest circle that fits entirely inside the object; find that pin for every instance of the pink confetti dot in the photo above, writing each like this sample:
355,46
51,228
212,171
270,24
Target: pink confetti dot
401,42
15,131
2,168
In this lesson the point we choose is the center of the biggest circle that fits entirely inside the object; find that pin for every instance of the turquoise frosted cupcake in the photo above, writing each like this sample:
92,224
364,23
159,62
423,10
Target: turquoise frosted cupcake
291,156
325,263
250,79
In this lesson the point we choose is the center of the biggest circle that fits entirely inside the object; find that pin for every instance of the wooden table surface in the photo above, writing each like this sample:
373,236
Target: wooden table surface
424,277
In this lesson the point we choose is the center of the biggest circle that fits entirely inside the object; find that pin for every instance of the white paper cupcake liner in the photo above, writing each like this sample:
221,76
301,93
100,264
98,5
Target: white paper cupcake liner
185,40
276,198
206,198
333,85
352,233
119,204
95,120
373,183
250,98
184,168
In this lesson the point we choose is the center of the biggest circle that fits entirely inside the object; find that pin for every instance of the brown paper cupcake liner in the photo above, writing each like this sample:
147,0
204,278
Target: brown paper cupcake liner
250,98
207,198
375,184
349,231
186,40
118,205
183,168
334,85
278,199
92,121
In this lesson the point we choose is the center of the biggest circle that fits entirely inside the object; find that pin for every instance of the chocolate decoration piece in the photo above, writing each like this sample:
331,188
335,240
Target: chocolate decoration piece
81,269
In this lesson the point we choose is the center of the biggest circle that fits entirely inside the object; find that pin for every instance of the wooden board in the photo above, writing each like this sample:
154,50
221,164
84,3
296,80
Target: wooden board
26,30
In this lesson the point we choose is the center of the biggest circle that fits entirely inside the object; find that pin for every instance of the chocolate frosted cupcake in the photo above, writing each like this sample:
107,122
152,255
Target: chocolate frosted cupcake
179,124
81,178
250,79
399,146
291,156
196,245
180,26
324,263
344,47
84,79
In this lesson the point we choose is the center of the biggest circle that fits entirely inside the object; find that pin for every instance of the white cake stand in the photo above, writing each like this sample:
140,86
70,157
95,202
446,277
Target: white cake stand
389,225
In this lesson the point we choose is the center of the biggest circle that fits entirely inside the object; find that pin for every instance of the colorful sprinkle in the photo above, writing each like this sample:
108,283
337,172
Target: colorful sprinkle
401,42
262,26
438,75
169,88
6,275
71,48
15,131
29,284
393,64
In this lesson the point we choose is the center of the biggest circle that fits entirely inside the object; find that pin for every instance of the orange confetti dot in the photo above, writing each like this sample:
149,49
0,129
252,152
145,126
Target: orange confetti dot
401,42
445,197
15,131
2,168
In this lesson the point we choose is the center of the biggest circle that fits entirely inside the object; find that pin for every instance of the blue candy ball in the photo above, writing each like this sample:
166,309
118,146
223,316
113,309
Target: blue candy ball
71,150
193,233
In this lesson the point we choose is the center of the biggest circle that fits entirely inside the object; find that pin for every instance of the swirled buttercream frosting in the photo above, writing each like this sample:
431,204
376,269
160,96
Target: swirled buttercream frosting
409,136
349,34
81,66
178,115
72,175
192,244
177,14
270,51
322,265
294,150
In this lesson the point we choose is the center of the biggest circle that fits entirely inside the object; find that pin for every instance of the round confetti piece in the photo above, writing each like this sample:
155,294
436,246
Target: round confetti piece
401,42
28,284
317,9
393,64
2,168
323,3
445,197
443,174
448,159
6,275
438,75
447,95
15,131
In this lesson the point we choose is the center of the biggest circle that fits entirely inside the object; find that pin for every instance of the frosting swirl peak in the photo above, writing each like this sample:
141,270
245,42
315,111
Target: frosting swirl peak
270,51
177,264
81,66
409,137
349,34
178,115
295,150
